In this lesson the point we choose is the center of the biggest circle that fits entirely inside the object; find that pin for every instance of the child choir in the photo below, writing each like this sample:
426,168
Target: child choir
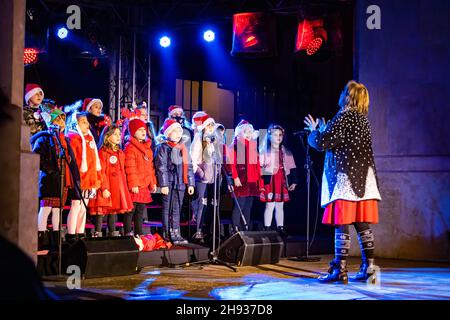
113,169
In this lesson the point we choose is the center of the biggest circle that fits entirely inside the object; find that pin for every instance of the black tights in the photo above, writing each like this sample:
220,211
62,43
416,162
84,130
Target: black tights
111,223
342,240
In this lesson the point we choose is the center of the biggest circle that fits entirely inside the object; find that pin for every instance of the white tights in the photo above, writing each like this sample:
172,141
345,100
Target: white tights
279,213
76,220
44,212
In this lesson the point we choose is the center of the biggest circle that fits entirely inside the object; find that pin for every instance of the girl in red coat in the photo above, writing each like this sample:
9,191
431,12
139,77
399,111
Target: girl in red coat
113,196
140,173
245,170
88,165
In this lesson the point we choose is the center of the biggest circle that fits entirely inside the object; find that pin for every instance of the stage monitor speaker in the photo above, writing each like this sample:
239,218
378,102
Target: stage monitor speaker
251,248
104,257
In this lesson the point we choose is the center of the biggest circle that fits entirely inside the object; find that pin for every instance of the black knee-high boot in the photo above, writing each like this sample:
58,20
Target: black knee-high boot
338,266
43,240
366,243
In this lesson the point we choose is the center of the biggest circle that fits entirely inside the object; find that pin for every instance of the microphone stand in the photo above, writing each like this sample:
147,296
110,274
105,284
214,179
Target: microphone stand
62,157
216,218
309,169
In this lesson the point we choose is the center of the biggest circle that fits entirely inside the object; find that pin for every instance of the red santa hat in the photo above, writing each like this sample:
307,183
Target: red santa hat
174,108
169,126
201,120
88,102
135,125
242,125
30,90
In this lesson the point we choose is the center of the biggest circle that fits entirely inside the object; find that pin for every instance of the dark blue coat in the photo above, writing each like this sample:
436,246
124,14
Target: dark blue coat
169,167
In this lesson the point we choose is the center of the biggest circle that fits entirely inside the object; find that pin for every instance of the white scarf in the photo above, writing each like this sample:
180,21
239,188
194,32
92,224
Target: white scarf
84,166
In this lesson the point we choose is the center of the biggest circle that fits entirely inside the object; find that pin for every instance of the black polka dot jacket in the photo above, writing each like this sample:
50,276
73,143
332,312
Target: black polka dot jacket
349,168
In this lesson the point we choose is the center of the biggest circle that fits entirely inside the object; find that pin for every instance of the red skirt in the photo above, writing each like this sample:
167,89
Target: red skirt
144,195
341,212
276,190
54,202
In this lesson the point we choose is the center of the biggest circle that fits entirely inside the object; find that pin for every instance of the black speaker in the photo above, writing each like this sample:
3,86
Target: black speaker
104,257
251,248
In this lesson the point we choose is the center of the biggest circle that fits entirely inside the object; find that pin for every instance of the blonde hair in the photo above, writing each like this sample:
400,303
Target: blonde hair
356,97
104,138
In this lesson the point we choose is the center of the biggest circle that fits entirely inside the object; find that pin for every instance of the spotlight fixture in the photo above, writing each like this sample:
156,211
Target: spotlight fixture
311,36
164,41
253,35
30,56
62,33
209,35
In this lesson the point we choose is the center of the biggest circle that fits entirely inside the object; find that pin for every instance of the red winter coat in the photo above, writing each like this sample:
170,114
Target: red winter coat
139,169
245,166
113,180
91,179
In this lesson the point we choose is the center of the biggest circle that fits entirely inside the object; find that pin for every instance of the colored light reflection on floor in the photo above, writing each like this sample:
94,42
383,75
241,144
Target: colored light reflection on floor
395,284
286,280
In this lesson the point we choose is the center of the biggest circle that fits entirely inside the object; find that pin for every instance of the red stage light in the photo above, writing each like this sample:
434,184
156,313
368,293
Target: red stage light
253,34
311,35
250,41
30,56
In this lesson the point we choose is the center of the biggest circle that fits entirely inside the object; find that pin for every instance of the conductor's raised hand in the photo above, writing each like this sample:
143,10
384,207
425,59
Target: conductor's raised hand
311,124
322,125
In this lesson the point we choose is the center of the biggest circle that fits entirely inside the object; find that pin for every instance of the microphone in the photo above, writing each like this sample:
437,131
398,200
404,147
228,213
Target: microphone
211,138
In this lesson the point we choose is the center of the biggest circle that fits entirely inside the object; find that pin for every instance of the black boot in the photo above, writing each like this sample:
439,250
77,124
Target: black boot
80,236
71,238
43,240
366,270
55,239
266,228
282,232
336,273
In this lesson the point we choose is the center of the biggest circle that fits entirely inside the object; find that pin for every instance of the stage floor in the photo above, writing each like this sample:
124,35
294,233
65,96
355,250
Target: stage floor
287,280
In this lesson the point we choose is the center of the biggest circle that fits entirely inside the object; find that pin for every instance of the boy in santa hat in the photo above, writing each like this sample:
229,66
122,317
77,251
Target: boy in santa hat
34,95
46,144
245,169
176,113
96,119
88,177
140,174
174,171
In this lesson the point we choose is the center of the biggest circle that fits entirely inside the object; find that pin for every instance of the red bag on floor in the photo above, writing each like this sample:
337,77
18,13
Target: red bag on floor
160,243
149,242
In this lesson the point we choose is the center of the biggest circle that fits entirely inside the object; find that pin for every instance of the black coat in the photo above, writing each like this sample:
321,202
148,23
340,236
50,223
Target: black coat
168,172
49,179
49,175
347,141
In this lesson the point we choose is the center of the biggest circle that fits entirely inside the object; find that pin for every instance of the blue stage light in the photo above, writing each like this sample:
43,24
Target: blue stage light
209,35
62,33
164,41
